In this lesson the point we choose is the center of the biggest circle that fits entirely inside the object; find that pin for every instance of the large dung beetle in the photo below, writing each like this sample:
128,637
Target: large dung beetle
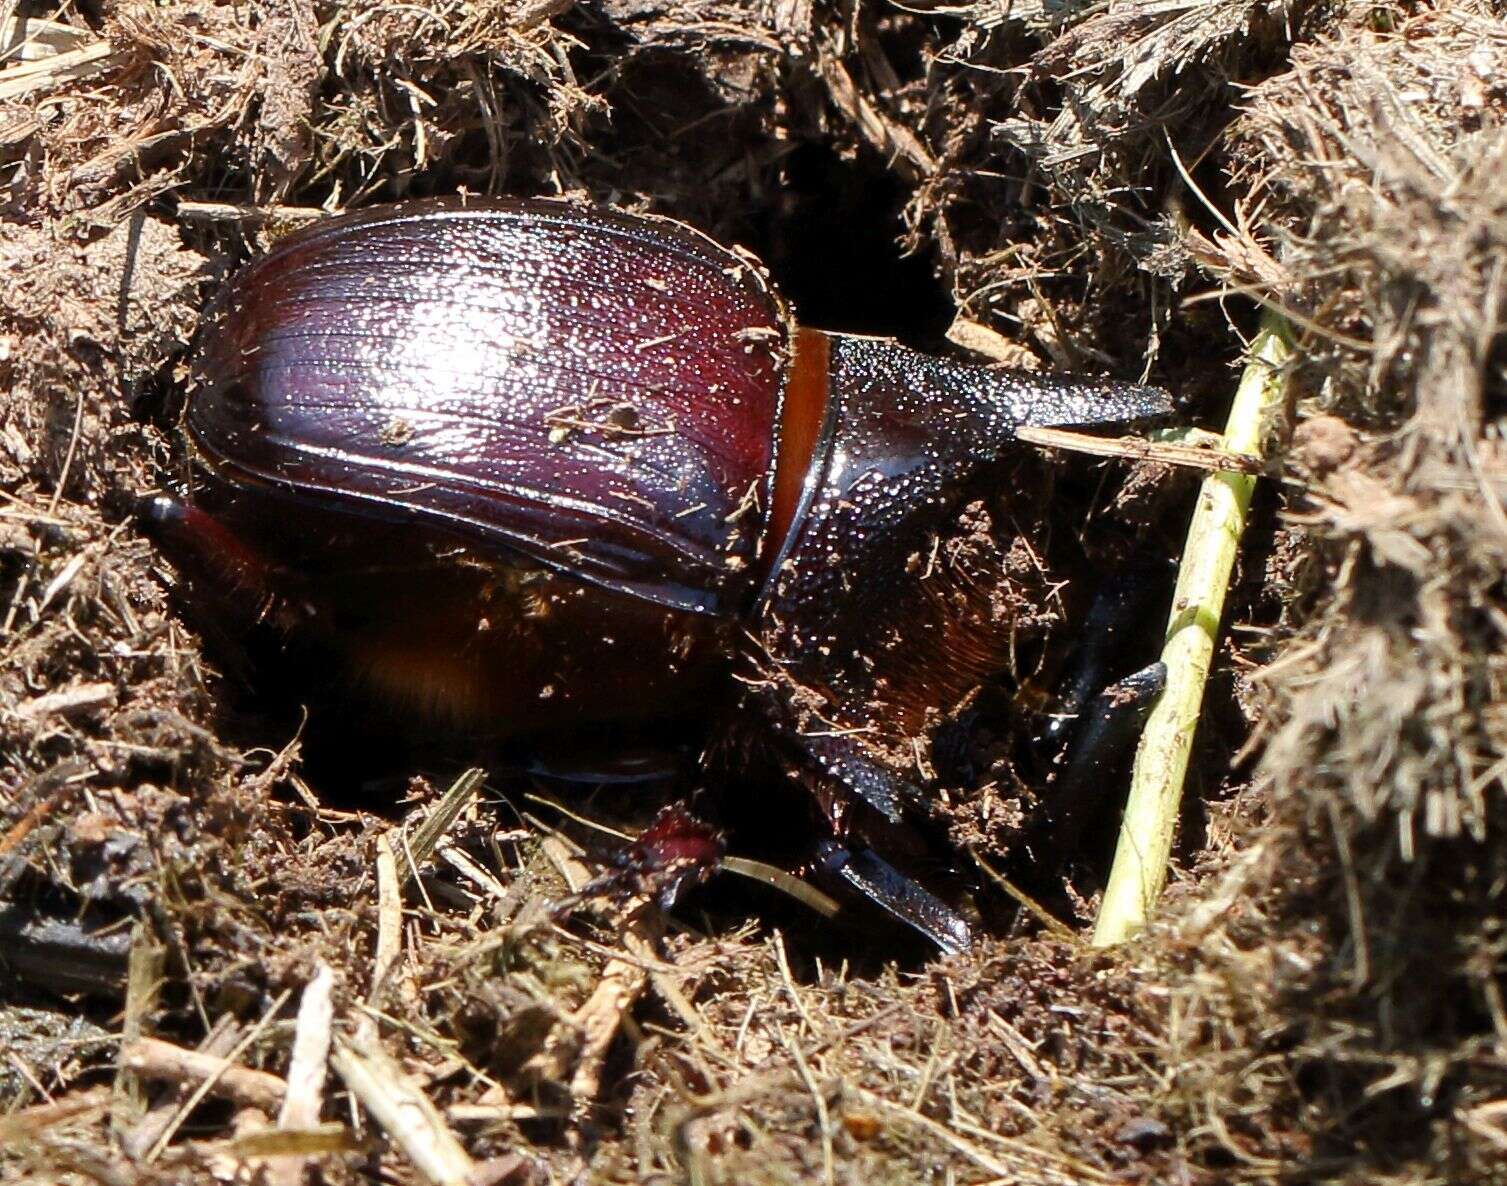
532,465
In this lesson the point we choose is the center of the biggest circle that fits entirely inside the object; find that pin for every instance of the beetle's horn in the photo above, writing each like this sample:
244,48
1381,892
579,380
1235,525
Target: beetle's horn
992,401
1057,401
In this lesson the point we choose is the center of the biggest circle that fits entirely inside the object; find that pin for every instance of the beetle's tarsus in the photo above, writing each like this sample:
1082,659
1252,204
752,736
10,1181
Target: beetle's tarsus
1118,613
889,889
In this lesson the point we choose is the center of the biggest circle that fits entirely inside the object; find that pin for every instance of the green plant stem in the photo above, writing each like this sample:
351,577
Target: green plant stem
1140,866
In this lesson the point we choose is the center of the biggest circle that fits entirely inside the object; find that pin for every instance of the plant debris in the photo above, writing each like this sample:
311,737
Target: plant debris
229,956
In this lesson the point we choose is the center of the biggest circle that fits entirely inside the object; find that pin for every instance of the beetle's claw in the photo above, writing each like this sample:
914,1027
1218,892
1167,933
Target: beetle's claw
1107,728
1110,723
897,895
1115,620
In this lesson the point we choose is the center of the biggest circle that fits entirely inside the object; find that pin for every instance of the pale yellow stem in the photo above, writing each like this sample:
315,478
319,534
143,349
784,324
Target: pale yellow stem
1140,866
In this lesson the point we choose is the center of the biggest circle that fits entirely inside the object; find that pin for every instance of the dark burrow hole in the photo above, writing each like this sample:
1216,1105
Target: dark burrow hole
830,236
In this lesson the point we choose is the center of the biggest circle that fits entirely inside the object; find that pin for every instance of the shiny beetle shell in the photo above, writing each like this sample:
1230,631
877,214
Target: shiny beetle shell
597,392
536,466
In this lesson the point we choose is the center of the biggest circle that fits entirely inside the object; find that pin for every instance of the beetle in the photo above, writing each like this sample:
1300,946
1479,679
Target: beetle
531,466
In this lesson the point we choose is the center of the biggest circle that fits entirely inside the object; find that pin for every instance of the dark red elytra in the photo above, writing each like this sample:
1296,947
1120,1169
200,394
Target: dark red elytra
529,466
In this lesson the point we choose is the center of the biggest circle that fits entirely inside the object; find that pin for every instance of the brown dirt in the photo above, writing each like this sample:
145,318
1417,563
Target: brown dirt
1107,188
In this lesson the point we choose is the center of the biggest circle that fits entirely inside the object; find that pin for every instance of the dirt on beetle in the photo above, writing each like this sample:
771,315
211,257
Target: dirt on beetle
190,861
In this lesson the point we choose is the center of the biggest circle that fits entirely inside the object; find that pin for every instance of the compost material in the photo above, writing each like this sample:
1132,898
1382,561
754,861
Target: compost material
254,926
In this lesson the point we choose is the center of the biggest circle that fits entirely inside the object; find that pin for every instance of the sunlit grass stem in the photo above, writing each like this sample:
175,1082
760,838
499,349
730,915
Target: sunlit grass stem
1139,872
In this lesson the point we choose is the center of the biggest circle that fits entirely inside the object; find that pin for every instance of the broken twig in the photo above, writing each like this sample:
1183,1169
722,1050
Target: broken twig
152,1058
404,1113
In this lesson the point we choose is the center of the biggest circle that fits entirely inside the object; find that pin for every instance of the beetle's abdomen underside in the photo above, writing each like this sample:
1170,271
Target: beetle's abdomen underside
594,391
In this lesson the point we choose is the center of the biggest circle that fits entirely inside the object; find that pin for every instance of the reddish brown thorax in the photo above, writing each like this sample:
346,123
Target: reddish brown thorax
802,416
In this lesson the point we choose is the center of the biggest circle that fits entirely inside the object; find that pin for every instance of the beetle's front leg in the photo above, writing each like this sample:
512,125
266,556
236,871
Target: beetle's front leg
849,782
1098,723
1114,624
861,869
1107,729
864,799
833,759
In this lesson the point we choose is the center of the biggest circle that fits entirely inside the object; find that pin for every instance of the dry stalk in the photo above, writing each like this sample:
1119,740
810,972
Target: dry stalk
290,216
403,1111
1165,452
883,134
306,1072
280,1146
389,946
152,1058
215,1073
438,821
220,1041
19,81
1010,1159
1140,865
598,1020
143,977
31,39
594,1025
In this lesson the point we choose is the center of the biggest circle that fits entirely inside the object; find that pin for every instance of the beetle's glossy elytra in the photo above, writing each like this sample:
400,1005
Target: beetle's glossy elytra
598,392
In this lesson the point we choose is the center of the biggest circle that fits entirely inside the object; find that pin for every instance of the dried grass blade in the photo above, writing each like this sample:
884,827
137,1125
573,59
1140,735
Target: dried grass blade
143,978
427,835
19,81
1141,449
306,1074
31,39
